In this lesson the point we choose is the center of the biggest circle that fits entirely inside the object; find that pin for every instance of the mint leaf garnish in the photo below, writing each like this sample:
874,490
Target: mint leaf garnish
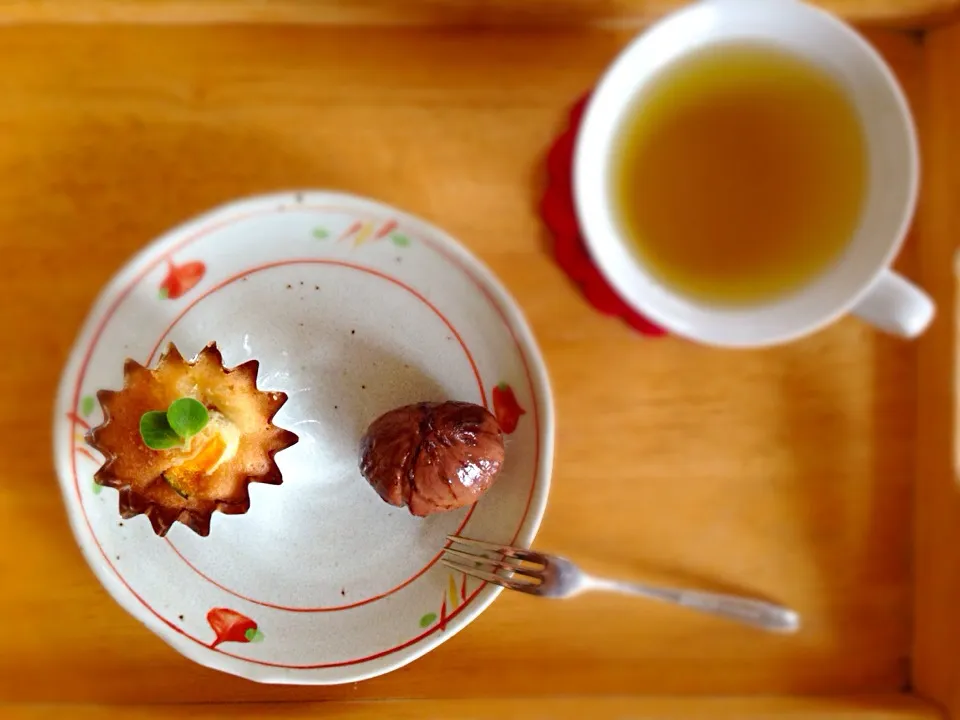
187,417
156,431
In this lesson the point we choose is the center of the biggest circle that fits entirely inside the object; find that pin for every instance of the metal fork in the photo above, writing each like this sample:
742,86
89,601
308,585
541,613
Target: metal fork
552,576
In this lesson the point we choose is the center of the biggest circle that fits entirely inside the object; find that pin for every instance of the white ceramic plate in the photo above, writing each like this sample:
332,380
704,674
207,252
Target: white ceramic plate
352,308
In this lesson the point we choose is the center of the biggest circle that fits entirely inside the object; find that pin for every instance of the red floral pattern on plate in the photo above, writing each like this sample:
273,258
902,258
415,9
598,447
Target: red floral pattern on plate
181,278
231,626
506,408
569,249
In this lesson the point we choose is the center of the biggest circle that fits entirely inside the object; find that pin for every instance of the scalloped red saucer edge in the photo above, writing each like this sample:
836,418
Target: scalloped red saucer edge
569,249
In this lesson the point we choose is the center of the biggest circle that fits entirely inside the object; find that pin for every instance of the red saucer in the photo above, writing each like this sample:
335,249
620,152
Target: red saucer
569,247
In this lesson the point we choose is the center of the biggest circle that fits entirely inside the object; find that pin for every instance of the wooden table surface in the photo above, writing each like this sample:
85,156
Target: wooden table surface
785,472
883,707
446,13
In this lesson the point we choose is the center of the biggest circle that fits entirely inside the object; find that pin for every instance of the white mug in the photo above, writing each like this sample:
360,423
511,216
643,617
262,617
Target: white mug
861,280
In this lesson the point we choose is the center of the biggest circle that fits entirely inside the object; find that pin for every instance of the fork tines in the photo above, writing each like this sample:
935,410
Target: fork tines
508,551
512,568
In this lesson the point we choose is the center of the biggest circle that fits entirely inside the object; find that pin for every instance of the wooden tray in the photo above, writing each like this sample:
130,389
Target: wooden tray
820,473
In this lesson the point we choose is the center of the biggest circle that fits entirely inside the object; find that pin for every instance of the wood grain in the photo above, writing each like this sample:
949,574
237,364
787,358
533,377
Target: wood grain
937,497
884,707
446,13
784,472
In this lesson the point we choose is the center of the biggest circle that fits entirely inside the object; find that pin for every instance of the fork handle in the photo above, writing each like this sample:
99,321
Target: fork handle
757,613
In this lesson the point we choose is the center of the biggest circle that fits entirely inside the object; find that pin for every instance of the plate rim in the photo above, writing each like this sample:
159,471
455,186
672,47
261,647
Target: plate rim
503,303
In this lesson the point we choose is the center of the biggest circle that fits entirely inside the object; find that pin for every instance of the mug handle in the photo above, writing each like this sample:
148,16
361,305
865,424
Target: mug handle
896,305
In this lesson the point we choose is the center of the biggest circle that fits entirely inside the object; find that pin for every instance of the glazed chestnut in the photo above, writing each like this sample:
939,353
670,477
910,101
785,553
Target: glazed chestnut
432,457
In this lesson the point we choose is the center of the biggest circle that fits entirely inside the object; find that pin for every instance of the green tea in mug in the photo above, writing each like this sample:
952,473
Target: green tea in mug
740,173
